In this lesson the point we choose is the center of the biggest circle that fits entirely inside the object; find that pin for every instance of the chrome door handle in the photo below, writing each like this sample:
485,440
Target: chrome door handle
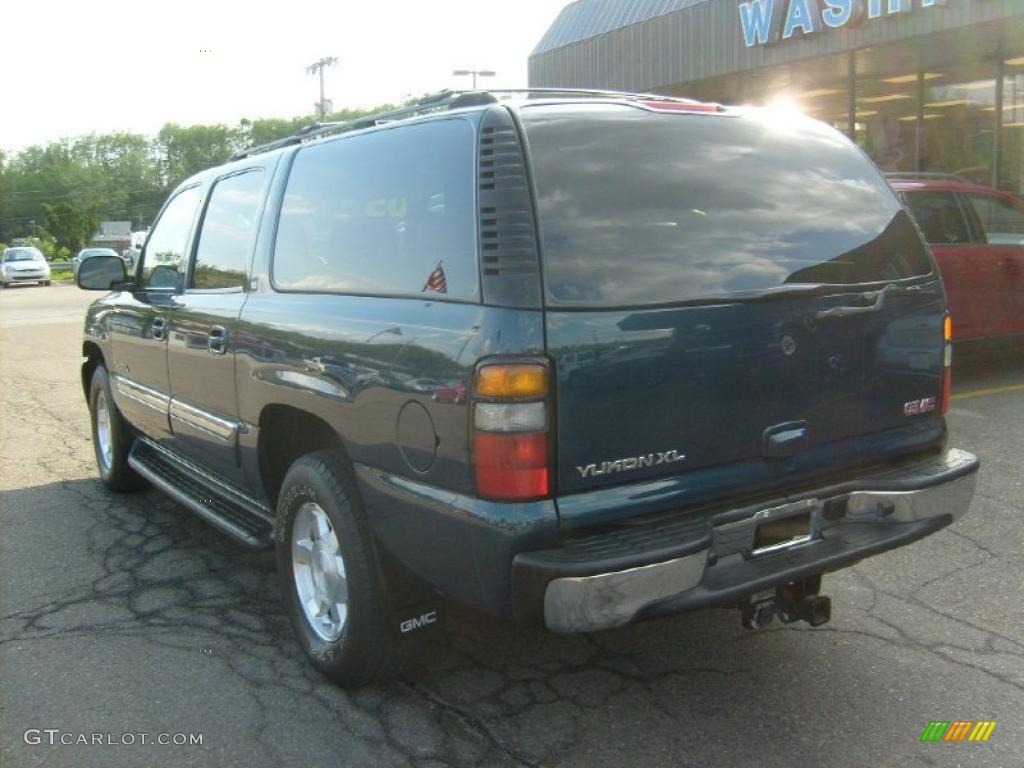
218,340
159,328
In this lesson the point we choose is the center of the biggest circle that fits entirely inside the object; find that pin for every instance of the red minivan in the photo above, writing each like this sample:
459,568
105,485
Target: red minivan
977,236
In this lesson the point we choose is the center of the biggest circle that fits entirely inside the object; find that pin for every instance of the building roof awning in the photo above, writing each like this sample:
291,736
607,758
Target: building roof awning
589,18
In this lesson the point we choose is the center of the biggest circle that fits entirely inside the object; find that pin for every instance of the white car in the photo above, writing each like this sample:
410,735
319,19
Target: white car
23,265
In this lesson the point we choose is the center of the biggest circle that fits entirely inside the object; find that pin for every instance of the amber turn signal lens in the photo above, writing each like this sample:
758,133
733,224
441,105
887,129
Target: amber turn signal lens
514,380
947,328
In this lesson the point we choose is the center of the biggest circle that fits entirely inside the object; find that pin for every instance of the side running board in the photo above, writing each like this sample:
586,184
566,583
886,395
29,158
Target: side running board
233,512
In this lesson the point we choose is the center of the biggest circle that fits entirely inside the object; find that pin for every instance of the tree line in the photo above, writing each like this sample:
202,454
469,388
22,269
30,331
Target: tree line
56,194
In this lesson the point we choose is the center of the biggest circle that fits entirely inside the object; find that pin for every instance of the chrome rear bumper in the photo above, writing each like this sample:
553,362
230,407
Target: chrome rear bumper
847,523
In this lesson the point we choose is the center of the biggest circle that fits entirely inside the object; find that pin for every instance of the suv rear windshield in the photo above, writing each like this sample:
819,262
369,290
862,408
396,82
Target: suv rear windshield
638,207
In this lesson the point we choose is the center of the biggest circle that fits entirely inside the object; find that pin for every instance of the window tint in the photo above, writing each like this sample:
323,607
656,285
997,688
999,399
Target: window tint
166,245
228,232
939,216
390,212
1003,223
642,208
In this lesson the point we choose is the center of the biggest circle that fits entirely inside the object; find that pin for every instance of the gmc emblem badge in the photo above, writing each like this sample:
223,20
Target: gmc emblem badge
418,622
917,407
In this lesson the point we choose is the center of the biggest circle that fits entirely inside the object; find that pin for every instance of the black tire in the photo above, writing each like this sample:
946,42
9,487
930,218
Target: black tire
114,470
370,647
46,282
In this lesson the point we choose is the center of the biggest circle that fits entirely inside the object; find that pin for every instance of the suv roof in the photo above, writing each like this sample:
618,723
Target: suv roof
446,101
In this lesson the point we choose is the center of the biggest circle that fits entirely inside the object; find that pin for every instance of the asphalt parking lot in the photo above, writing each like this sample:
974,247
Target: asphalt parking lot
127,615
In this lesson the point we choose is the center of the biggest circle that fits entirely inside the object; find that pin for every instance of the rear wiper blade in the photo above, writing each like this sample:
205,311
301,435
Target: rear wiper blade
784,292
868,301
820,289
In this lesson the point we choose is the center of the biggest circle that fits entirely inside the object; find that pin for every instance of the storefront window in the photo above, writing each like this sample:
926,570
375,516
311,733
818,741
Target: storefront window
958,134
886,89
828,103
1011,146
886,121
914,111
820,91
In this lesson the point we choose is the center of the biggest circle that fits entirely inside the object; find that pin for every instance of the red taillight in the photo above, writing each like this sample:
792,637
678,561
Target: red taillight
947,390
947,366
511,466
510,430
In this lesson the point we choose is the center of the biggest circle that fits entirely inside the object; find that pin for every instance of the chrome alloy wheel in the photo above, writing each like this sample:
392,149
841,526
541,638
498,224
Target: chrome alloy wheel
319,572
104,440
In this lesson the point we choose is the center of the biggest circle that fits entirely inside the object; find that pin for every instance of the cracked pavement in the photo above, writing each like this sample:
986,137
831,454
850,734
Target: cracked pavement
127,614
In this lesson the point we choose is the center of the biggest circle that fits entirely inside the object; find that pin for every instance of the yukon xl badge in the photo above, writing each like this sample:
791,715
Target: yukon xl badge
630,463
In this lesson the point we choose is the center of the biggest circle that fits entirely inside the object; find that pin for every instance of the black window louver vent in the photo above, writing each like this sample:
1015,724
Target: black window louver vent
508,238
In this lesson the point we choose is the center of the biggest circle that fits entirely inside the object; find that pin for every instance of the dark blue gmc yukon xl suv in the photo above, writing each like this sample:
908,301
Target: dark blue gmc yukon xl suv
572,358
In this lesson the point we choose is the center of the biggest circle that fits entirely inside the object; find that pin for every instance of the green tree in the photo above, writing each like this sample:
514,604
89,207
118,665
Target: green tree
185,150
120,176
70,228
4,202
263,130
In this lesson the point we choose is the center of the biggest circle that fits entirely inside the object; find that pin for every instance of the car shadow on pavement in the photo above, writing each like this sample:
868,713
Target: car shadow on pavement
142,568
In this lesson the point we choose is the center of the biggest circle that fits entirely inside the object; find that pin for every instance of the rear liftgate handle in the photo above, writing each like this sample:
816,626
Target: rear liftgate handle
869,301
874,301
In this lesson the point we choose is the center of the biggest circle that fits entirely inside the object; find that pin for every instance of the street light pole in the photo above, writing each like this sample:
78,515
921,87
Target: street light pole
318,68
474,73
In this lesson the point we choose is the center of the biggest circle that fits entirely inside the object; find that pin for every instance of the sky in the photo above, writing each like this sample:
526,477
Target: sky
107,65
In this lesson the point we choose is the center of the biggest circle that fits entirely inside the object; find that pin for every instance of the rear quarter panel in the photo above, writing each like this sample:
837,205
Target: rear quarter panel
356,362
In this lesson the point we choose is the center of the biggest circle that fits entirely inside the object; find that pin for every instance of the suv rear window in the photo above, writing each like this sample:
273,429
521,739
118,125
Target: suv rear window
638,207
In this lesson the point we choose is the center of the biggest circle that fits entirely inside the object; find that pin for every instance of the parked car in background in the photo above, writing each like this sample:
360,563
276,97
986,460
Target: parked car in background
977,236
23,265
758,350
453,392
88,253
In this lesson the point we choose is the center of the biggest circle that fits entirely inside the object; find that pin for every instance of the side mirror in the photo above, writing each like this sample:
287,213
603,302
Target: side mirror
101,273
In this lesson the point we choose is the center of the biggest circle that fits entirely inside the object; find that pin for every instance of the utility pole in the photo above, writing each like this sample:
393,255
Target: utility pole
475,73
318,68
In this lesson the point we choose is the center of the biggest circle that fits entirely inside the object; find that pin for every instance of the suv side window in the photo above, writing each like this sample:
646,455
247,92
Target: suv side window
939,216
385,213
165,248
1002,222
228,231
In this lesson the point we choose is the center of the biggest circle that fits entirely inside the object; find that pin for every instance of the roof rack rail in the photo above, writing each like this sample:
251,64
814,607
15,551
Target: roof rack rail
436,101
442,100
911,175
548,92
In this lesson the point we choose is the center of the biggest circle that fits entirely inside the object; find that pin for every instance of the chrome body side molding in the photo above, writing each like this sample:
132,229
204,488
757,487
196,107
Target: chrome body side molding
222,429
142,394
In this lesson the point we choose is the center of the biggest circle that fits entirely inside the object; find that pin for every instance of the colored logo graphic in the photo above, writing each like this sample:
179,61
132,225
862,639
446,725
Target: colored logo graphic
958,730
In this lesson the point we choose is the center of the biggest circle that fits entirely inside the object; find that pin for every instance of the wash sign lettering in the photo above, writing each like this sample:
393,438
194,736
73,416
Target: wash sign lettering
770,21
